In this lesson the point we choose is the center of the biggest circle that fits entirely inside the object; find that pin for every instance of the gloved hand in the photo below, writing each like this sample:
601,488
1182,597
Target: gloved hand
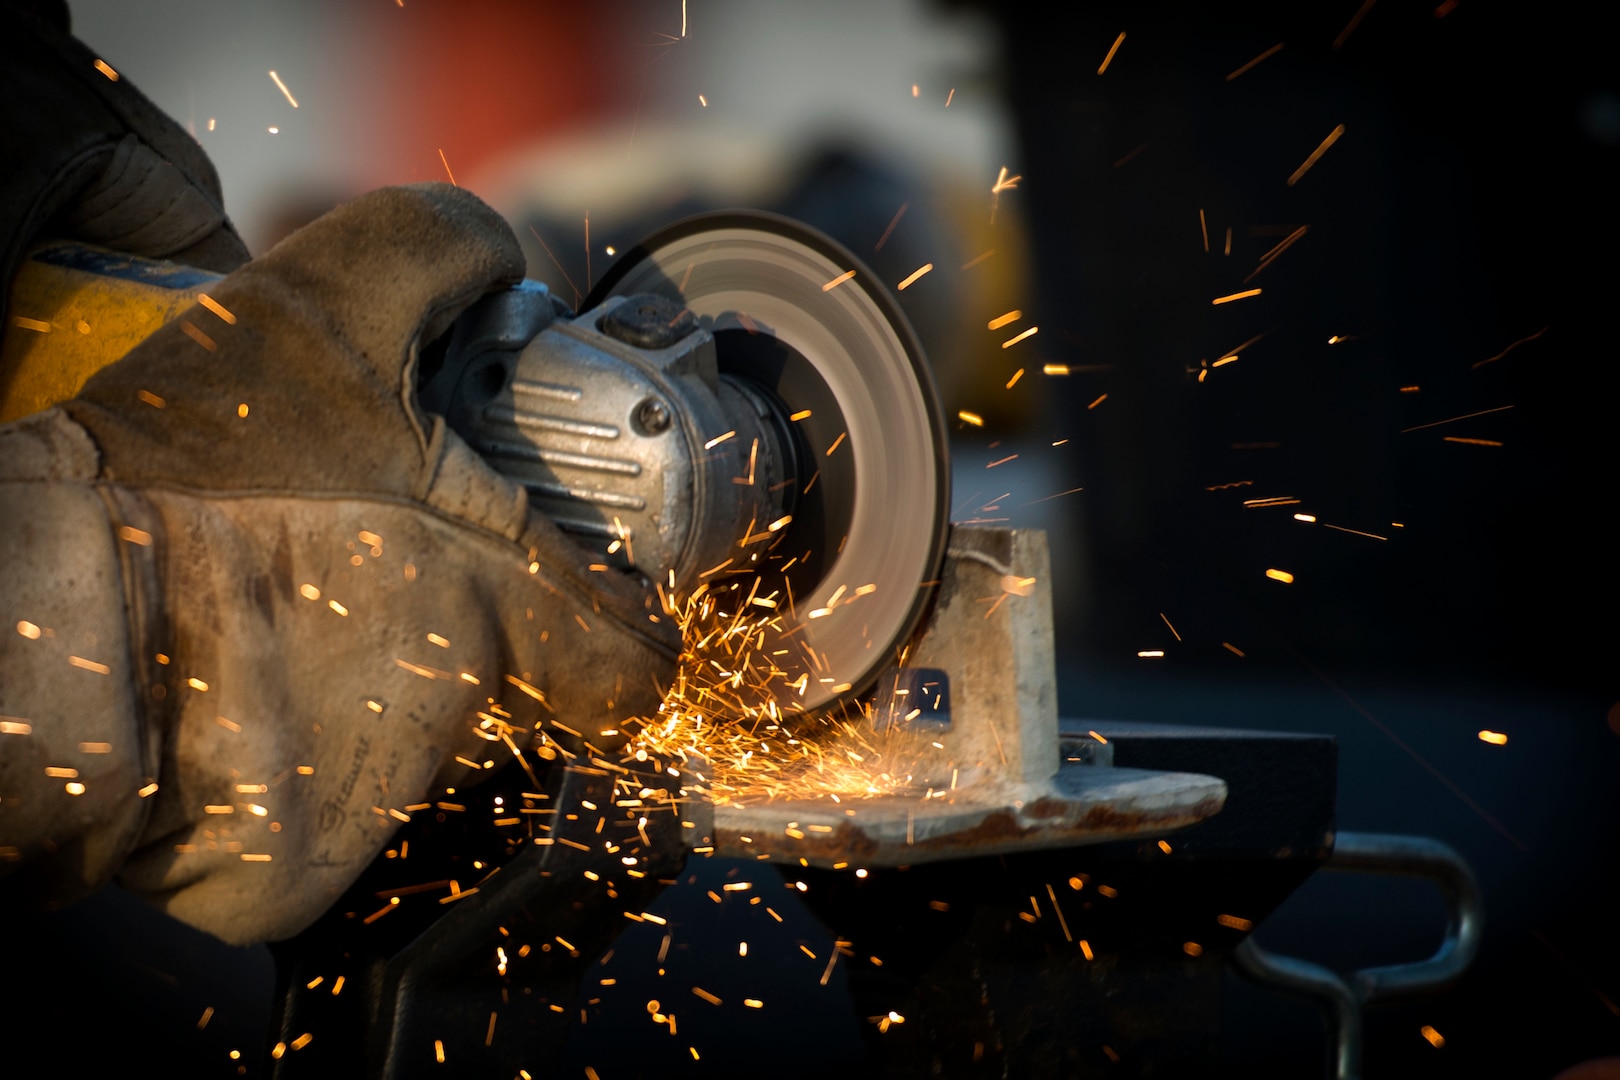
244,567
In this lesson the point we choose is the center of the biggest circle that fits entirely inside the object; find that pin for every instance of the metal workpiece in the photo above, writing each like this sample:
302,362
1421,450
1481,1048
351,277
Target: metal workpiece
972,716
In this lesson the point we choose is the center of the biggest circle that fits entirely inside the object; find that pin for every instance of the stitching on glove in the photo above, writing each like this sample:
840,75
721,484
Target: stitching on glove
139,538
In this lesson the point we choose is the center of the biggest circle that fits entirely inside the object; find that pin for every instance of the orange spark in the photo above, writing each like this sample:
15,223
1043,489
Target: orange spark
898,214
915,274
1511,347
1355,20
1454,419
1269,52
283,88
1244,295
1003,183
1112,49
216,307
1333,137
1002,320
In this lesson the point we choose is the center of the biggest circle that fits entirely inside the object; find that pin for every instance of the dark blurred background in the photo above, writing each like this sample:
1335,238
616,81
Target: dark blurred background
1457,261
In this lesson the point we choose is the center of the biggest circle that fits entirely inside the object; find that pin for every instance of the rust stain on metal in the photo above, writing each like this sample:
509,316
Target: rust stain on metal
1044,823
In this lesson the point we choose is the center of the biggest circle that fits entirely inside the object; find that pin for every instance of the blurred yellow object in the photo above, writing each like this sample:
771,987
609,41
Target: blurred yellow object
74,309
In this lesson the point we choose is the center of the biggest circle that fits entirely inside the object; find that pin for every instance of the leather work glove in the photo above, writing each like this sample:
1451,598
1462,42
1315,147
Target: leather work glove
257,602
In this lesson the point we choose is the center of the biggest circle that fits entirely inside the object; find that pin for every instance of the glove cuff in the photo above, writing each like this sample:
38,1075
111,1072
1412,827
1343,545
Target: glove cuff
84,704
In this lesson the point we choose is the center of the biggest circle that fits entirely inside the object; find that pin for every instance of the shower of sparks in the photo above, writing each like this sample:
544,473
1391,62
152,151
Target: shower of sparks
1333,137
1265,55
1112,49
732,718
283,88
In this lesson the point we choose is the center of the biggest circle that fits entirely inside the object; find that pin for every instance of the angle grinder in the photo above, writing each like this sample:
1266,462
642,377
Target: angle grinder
738,394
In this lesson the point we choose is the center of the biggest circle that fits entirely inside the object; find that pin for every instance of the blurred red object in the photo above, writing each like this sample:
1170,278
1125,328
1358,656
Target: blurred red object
476,79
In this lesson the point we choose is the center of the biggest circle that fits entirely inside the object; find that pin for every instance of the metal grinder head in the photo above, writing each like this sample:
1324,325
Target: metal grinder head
739,396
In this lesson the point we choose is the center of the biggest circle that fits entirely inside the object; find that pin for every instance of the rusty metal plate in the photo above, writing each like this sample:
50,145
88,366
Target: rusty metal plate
1080,805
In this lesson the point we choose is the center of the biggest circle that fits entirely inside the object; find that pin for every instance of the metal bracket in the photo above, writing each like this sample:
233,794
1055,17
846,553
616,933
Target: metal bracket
991,760
1342,998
